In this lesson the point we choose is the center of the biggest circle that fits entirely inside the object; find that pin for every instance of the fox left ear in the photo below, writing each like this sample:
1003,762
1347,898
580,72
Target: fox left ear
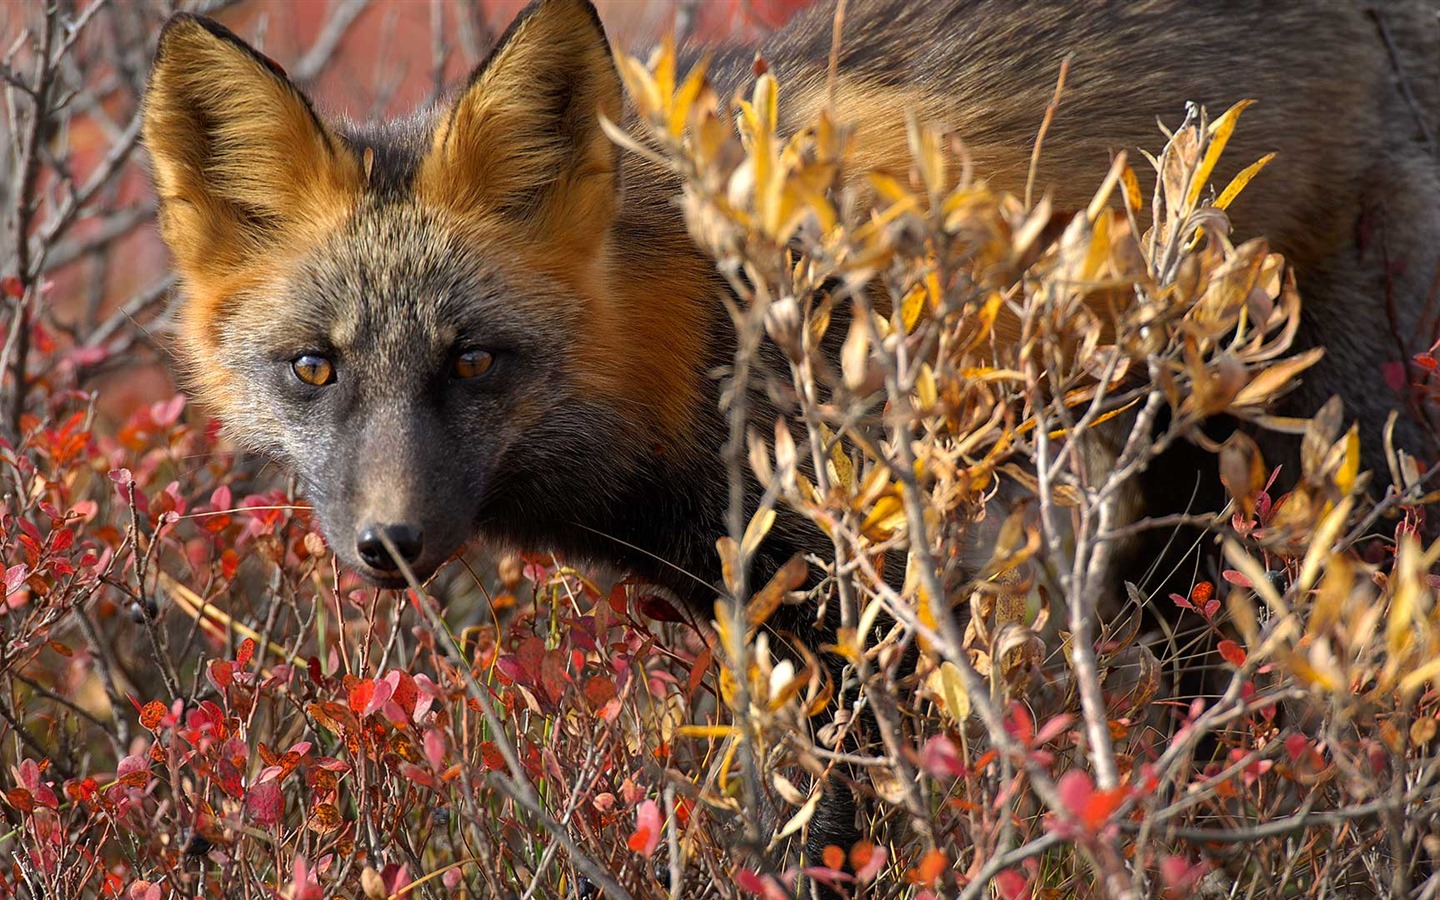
523,143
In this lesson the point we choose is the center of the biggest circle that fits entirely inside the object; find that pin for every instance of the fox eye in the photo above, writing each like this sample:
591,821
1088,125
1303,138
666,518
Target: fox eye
313,370
473,363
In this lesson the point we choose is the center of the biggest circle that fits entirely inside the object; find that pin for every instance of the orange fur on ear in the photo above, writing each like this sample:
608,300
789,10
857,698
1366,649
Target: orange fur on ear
241,161
522,145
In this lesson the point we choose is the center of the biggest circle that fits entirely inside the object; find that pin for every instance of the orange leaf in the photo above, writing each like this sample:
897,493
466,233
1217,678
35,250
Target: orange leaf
152,714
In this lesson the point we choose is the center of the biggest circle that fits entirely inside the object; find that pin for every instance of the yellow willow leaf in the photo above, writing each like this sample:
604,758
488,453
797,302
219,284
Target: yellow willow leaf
1404,603
925,151
1276,376
876,482
755,532
707,731
855,355
932,282
1325,679
1237,184
749,125
1350,469
1103,417
987,314
727,761
948,686
685,97
1416,678
1033,227
1329,600
767,101
663,65
641,87
1220,131
884,518
1099,251
986,373
841,471
868,615
925,390
1101,200
1134,200
817,204
798,820
890,189
729,567
1254,573
1321,543
911,307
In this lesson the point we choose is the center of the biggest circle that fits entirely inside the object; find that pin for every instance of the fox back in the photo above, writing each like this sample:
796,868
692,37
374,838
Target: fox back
486,320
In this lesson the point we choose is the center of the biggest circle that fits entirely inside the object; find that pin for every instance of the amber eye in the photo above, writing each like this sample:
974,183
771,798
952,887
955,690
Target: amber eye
313,370
473,363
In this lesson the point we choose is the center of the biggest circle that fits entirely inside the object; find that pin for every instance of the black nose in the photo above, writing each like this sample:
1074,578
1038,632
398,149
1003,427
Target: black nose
370,545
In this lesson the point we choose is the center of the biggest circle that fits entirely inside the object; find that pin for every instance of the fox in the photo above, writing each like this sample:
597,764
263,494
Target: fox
487,321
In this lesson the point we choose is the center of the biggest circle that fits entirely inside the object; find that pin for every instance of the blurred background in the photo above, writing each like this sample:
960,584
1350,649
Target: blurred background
91,287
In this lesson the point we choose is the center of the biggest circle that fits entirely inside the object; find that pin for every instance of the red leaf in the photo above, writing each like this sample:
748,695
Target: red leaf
404,690
1236,578
867,860
245,653
360,695
1011,885
265,803
491,756
647,831
599,691
658,609
1232,653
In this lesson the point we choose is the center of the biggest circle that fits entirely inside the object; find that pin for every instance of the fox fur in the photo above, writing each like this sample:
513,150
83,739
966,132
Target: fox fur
502,220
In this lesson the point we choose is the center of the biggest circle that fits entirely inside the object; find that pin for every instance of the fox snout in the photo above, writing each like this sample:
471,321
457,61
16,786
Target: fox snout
383,547
393,493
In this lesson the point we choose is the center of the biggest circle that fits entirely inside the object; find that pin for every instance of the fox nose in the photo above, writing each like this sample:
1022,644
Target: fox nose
371,546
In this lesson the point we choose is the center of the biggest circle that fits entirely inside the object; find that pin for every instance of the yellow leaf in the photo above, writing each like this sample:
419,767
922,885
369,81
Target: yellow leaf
798,820
1134,200
855,355
954,699
885,517
1274,377
685,97
912,306
708,731
1322,541
755,532
1220,131
842,473
1350,468
1237,184
925,390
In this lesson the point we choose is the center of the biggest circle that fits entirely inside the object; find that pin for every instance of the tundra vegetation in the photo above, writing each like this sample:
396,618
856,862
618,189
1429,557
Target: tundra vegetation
196,701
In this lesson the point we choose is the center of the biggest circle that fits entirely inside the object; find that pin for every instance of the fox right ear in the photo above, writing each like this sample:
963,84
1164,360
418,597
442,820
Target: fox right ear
240,158
522,144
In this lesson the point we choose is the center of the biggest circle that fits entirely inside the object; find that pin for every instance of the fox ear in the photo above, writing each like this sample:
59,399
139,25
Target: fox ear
523,141
239,157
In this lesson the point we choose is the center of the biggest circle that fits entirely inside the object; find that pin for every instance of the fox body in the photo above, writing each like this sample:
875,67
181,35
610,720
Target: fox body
507,332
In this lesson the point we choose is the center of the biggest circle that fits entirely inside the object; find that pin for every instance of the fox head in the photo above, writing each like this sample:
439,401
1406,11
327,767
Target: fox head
425,320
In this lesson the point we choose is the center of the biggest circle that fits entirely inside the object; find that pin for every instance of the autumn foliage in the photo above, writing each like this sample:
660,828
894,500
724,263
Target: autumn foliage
195,700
